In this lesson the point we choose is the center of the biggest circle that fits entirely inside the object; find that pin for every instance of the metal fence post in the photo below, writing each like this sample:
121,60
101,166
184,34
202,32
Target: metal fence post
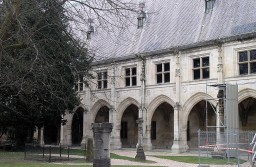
199,148
68,152
50,153
60,150
43,151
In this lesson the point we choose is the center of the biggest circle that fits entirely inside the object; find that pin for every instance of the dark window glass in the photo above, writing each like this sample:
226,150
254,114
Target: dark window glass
243,56
153,130
81,86
197,74
88,35
159,68
159,78
76,87
205,61
130,74
196,63
99,84
127,72
99,76
167,77
134,71
253,55
127,81
105,84
123,130
243,69
253,67
134,81
105,75
167,67
81,79
206,73
140,22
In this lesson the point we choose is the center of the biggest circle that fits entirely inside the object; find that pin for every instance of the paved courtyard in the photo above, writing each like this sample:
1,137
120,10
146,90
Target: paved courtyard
160,161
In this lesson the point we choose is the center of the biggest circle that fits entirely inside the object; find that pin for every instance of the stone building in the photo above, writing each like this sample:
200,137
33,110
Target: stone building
160,70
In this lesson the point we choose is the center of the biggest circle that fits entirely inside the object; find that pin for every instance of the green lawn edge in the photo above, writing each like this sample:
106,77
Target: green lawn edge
203,160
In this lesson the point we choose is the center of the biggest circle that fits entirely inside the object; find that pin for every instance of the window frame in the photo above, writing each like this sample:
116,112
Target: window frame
102,80
79,85
163,72
131,76
247,62
201,67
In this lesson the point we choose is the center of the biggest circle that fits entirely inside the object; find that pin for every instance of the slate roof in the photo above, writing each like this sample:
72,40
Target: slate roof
177,23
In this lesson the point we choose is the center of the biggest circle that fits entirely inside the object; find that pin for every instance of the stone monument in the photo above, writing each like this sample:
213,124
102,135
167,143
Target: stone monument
101,133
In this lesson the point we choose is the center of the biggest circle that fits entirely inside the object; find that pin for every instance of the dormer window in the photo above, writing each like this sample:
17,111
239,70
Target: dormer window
141,16
90,30
209,5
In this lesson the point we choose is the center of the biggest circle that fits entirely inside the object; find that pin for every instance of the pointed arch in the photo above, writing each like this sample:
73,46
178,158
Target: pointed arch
80,106
155,103
123,105
246,93
96,107
192,101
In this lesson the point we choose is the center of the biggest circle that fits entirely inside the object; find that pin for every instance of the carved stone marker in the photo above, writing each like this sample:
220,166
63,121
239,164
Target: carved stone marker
101,133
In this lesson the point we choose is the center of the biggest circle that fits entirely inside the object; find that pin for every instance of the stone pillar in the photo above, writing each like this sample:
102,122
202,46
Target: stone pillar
41,136
141,127
84,140
61,133
177,144
140,152
220,65
115,137
220,138
147,139
101,133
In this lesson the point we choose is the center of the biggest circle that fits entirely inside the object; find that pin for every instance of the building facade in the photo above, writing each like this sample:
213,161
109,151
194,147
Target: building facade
163,75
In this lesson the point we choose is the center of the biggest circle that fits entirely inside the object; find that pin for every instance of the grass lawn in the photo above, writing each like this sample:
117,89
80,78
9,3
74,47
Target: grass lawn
16,159
203,160
115,156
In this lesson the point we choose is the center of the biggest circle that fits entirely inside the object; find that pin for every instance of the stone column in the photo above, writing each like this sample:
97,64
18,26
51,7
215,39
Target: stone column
84,140
61,133
101,133
176,147
41,136
140,152
220,107
147,139
220,65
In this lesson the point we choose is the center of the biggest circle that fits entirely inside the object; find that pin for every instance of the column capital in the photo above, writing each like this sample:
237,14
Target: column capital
177,106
